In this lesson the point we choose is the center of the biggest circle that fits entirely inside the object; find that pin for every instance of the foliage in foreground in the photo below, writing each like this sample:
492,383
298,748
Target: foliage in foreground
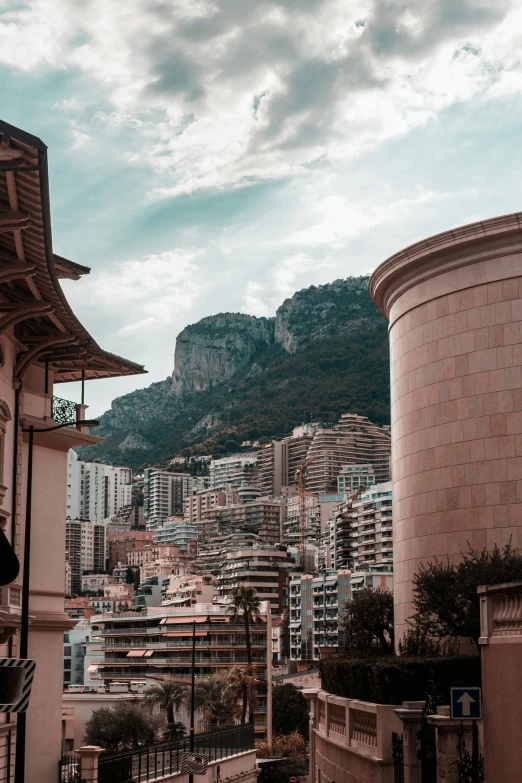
126,725
293,749
445,594
391,680
367,623
289,711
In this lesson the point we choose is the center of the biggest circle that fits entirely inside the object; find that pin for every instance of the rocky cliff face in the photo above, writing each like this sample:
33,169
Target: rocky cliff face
215,348
324,311
325,352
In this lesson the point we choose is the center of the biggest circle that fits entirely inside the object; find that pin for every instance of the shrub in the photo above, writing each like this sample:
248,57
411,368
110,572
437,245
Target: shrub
394,680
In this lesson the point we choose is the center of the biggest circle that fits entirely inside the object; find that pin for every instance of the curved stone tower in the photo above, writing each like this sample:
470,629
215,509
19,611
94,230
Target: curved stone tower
454,303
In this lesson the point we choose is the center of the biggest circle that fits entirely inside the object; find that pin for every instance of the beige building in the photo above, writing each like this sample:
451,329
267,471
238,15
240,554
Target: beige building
41,344
454,303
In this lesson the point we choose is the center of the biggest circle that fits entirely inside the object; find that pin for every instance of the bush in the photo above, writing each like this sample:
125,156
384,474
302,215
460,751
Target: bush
394,680
289,710
292,749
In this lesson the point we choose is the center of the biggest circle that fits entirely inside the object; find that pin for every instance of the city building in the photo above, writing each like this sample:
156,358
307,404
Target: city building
162,560
361,532
291,535
42,344
269,469
453,303
317,605
232,471
151,591
209,499
294,451
119,544
353,477
96,491
189,589
95,583
76,653
164,494
265,568
85,551
157,642
177,532
354,441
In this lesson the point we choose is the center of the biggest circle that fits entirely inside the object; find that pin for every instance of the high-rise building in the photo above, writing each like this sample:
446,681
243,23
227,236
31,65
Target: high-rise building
156,643
317,604
96,491
269,468
361,535
353,477
177,532
233,470
164,494
294,451
119,544
197,505
355,441
291,535
265,568
85,550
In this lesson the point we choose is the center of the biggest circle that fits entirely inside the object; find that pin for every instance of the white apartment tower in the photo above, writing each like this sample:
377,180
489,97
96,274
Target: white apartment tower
96,491
164,495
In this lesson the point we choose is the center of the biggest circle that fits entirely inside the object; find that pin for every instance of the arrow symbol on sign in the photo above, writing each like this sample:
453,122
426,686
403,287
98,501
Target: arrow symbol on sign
466,702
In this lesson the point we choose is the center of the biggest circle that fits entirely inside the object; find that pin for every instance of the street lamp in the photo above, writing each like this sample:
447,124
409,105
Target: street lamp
24,624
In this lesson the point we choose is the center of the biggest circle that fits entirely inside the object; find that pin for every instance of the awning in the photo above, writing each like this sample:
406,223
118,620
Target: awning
357,580
178,620
188,634
148,653
136,653
93,667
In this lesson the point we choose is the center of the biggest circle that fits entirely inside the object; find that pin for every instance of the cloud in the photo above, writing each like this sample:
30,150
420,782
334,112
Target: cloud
220,95
150,294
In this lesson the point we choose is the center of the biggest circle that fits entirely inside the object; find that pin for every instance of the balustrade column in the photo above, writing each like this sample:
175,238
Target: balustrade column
89,755
311,695
411,716
447,743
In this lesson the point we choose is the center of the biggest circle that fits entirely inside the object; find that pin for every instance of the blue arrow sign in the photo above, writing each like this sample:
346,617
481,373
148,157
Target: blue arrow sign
466,703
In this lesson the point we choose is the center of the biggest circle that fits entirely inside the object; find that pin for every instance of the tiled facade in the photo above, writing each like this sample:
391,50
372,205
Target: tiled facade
454,303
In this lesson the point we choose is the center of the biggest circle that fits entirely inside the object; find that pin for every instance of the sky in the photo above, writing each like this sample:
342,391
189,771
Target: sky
210,156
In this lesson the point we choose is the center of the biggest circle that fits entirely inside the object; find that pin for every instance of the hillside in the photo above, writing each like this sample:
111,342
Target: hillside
238,377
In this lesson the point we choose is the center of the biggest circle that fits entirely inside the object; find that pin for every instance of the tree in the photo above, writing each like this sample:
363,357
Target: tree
126,725
242,684
218,703
292,749
289,710
367,624
246,605
445,594
170,695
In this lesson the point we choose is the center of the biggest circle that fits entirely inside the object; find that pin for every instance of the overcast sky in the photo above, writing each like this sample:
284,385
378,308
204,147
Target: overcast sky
218,156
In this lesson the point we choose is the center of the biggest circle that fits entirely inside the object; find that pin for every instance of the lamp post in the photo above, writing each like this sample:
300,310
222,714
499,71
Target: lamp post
192,694
24,624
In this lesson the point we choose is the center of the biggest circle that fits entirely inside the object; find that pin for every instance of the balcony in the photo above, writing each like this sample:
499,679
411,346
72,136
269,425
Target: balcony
66,411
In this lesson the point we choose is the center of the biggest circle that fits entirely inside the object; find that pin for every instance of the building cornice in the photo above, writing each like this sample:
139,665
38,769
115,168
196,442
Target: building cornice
421,262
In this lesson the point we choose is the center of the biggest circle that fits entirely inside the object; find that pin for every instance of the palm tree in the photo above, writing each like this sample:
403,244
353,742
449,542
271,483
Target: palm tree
170,695
241,682
218,703
246,605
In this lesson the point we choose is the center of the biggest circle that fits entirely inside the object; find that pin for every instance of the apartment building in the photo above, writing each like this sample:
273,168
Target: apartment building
85,550
353,477
162,560
372,439
317,604
233,470
265,568
96,491
291,521
164,495
157,642
177,532
189,589
269,469
197,505
361,532
294,451
120,544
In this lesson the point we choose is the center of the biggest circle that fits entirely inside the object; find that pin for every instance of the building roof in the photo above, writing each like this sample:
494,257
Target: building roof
32,301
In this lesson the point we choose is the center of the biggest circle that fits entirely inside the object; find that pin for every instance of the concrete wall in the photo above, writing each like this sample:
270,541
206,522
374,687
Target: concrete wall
454,303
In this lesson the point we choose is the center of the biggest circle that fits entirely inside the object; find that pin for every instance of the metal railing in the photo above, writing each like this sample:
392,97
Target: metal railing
69,768
163,759
64,411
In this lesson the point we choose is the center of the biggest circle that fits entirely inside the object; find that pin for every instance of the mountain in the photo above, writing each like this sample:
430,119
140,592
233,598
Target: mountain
238,377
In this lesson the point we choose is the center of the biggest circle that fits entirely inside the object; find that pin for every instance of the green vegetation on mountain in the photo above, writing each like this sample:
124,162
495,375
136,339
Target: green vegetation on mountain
328,355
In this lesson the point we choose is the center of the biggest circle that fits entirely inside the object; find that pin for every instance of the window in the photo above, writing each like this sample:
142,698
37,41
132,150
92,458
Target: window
67,666
67,650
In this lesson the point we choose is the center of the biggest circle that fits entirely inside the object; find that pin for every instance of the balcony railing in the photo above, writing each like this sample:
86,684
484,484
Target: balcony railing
64,411
165,759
